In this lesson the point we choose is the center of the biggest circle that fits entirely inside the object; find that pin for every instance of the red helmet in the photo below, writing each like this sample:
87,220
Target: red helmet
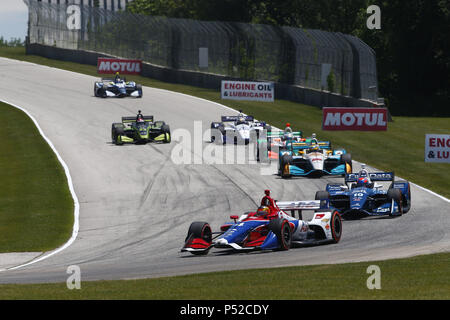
363,181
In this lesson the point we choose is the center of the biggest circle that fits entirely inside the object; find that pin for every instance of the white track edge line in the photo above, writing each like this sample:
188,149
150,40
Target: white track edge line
75,228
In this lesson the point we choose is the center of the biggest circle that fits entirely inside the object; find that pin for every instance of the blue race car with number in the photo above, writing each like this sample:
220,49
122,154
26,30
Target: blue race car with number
313,157
364,197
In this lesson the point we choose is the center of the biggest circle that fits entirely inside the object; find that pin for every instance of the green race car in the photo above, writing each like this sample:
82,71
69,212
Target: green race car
140,129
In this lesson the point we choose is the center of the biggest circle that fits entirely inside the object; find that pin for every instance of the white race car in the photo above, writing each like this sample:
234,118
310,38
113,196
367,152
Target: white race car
239,129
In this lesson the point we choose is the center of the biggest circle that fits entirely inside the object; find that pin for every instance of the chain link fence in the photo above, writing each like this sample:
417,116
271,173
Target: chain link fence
287,55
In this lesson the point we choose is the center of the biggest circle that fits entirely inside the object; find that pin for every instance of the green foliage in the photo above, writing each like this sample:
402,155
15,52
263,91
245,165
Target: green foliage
13,42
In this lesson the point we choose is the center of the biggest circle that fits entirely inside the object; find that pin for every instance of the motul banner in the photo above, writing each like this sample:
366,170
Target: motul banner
123,66
437,148
362,119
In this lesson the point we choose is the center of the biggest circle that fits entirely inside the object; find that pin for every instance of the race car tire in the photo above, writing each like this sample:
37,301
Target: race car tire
336,226
95,90
406,200
139,89
200,229
396,195
322,195
346,158
217,131
116,131
285,161
282,230
166,130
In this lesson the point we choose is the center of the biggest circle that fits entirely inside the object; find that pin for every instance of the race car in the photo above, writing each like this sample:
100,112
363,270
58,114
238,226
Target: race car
364,197
140,129
313,158
269,145
239,129
269,228
117,88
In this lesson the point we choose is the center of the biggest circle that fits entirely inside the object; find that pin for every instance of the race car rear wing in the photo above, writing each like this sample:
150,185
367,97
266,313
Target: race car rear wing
133,119
236,118
306,145
373,176
277,134
298,206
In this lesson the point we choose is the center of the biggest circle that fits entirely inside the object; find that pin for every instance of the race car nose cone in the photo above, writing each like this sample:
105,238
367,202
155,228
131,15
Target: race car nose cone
221,243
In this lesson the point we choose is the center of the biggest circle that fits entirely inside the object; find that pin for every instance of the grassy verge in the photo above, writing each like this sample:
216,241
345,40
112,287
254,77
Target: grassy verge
36,208
400,148
421,277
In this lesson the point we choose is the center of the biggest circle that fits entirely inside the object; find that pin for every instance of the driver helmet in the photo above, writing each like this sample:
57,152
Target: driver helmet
362,182
288,131
262,211
117,79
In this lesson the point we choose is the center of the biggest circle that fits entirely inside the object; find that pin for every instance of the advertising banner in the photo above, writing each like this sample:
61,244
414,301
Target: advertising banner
437,148
362,119
246,90
123,66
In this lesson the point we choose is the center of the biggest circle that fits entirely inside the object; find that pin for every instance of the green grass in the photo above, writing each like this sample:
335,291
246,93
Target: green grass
400,148
421,277
36,208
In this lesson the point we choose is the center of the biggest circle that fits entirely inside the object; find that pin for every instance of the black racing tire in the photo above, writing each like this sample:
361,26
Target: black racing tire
322,195
336,226
396,195
116,130
285,160
282,229
139,88
95,90
166,130
346,158
200,229
406,201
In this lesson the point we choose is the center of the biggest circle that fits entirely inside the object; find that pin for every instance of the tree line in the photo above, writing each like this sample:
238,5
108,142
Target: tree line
13,42
412,46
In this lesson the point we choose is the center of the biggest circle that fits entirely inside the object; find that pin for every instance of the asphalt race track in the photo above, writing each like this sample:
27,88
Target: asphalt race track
136,203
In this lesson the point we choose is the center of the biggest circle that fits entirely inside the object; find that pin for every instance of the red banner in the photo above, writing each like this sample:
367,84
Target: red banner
123,66
362,119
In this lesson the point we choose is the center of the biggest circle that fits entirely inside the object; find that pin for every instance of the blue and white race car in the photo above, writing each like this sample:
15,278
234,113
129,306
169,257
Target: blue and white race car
365,197
117,88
